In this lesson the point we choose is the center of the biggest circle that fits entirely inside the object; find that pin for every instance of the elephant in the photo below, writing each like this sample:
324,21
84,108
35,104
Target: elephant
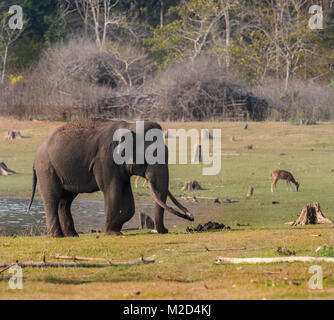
78,157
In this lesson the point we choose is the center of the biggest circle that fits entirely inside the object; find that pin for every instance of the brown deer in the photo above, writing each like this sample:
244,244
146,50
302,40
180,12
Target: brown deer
283,175
136,182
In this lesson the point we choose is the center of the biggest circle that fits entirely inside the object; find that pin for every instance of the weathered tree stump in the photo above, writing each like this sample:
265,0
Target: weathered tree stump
232,138
145,221
13,134
191,185
250,192
4,170
197,153
246,126
311,214
250,147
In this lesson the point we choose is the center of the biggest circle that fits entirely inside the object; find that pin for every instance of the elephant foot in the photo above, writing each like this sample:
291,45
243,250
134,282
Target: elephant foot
113,233
57,234
71,234
162,229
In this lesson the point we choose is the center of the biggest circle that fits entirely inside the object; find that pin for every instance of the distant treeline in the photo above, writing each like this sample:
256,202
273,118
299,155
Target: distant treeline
168,60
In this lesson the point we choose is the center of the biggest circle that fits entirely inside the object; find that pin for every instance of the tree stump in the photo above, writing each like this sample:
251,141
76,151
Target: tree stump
145,221
311,214
13,134
197,153
191,185
4,170
250,192
246,126
232,138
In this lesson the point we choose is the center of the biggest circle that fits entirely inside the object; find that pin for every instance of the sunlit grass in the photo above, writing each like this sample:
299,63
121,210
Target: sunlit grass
308,153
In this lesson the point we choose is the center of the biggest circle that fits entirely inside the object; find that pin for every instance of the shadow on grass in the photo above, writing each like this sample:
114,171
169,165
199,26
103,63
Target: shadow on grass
58,280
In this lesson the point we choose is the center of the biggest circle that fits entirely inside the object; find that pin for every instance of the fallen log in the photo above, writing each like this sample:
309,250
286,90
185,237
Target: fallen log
206,249
196,197
74,264
272,260
77,258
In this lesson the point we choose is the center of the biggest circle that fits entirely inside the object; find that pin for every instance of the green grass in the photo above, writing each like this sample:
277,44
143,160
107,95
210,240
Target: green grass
177,273
309,152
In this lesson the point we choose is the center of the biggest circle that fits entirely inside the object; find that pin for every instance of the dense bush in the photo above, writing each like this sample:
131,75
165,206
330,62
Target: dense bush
77,79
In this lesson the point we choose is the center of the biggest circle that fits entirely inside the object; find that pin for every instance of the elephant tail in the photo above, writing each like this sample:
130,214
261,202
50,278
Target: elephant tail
34,183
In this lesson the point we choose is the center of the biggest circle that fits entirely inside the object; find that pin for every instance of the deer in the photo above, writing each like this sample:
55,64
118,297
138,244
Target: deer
136,182
283,175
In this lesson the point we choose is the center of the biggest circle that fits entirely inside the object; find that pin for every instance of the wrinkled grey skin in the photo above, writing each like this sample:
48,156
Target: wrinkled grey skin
78,158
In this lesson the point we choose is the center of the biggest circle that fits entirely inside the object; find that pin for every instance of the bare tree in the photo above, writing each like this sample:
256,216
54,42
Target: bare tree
282,24
99,15
7,37
128,64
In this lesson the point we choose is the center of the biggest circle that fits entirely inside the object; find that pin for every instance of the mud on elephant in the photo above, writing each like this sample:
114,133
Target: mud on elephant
79,157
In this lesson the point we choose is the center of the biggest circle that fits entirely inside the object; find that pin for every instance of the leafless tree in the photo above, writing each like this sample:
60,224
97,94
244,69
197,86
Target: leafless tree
7,37
100,15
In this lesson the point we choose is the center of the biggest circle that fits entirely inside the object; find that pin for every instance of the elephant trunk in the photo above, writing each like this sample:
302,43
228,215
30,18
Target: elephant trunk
185,215
158,181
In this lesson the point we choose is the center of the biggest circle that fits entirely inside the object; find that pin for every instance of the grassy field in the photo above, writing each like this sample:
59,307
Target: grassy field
307,152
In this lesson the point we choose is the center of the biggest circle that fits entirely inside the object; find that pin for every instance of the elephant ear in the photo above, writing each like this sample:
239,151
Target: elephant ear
132,138
124,146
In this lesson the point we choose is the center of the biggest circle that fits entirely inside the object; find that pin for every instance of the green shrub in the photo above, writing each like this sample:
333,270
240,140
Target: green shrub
326,252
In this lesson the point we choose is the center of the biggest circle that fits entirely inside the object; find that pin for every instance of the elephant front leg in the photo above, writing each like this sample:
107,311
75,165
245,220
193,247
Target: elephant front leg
127,209
112,207
159,215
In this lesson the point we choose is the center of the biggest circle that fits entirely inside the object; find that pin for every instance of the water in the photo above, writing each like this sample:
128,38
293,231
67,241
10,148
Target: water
87,215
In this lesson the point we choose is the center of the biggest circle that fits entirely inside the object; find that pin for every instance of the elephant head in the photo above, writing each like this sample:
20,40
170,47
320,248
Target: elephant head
157,174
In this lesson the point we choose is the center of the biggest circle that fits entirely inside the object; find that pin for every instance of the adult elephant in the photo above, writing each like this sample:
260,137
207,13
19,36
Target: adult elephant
79,158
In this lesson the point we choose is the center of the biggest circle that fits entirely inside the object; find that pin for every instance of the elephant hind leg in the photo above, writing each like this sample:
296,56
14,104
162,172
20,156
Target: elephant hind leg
127,210
50,190
65,215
